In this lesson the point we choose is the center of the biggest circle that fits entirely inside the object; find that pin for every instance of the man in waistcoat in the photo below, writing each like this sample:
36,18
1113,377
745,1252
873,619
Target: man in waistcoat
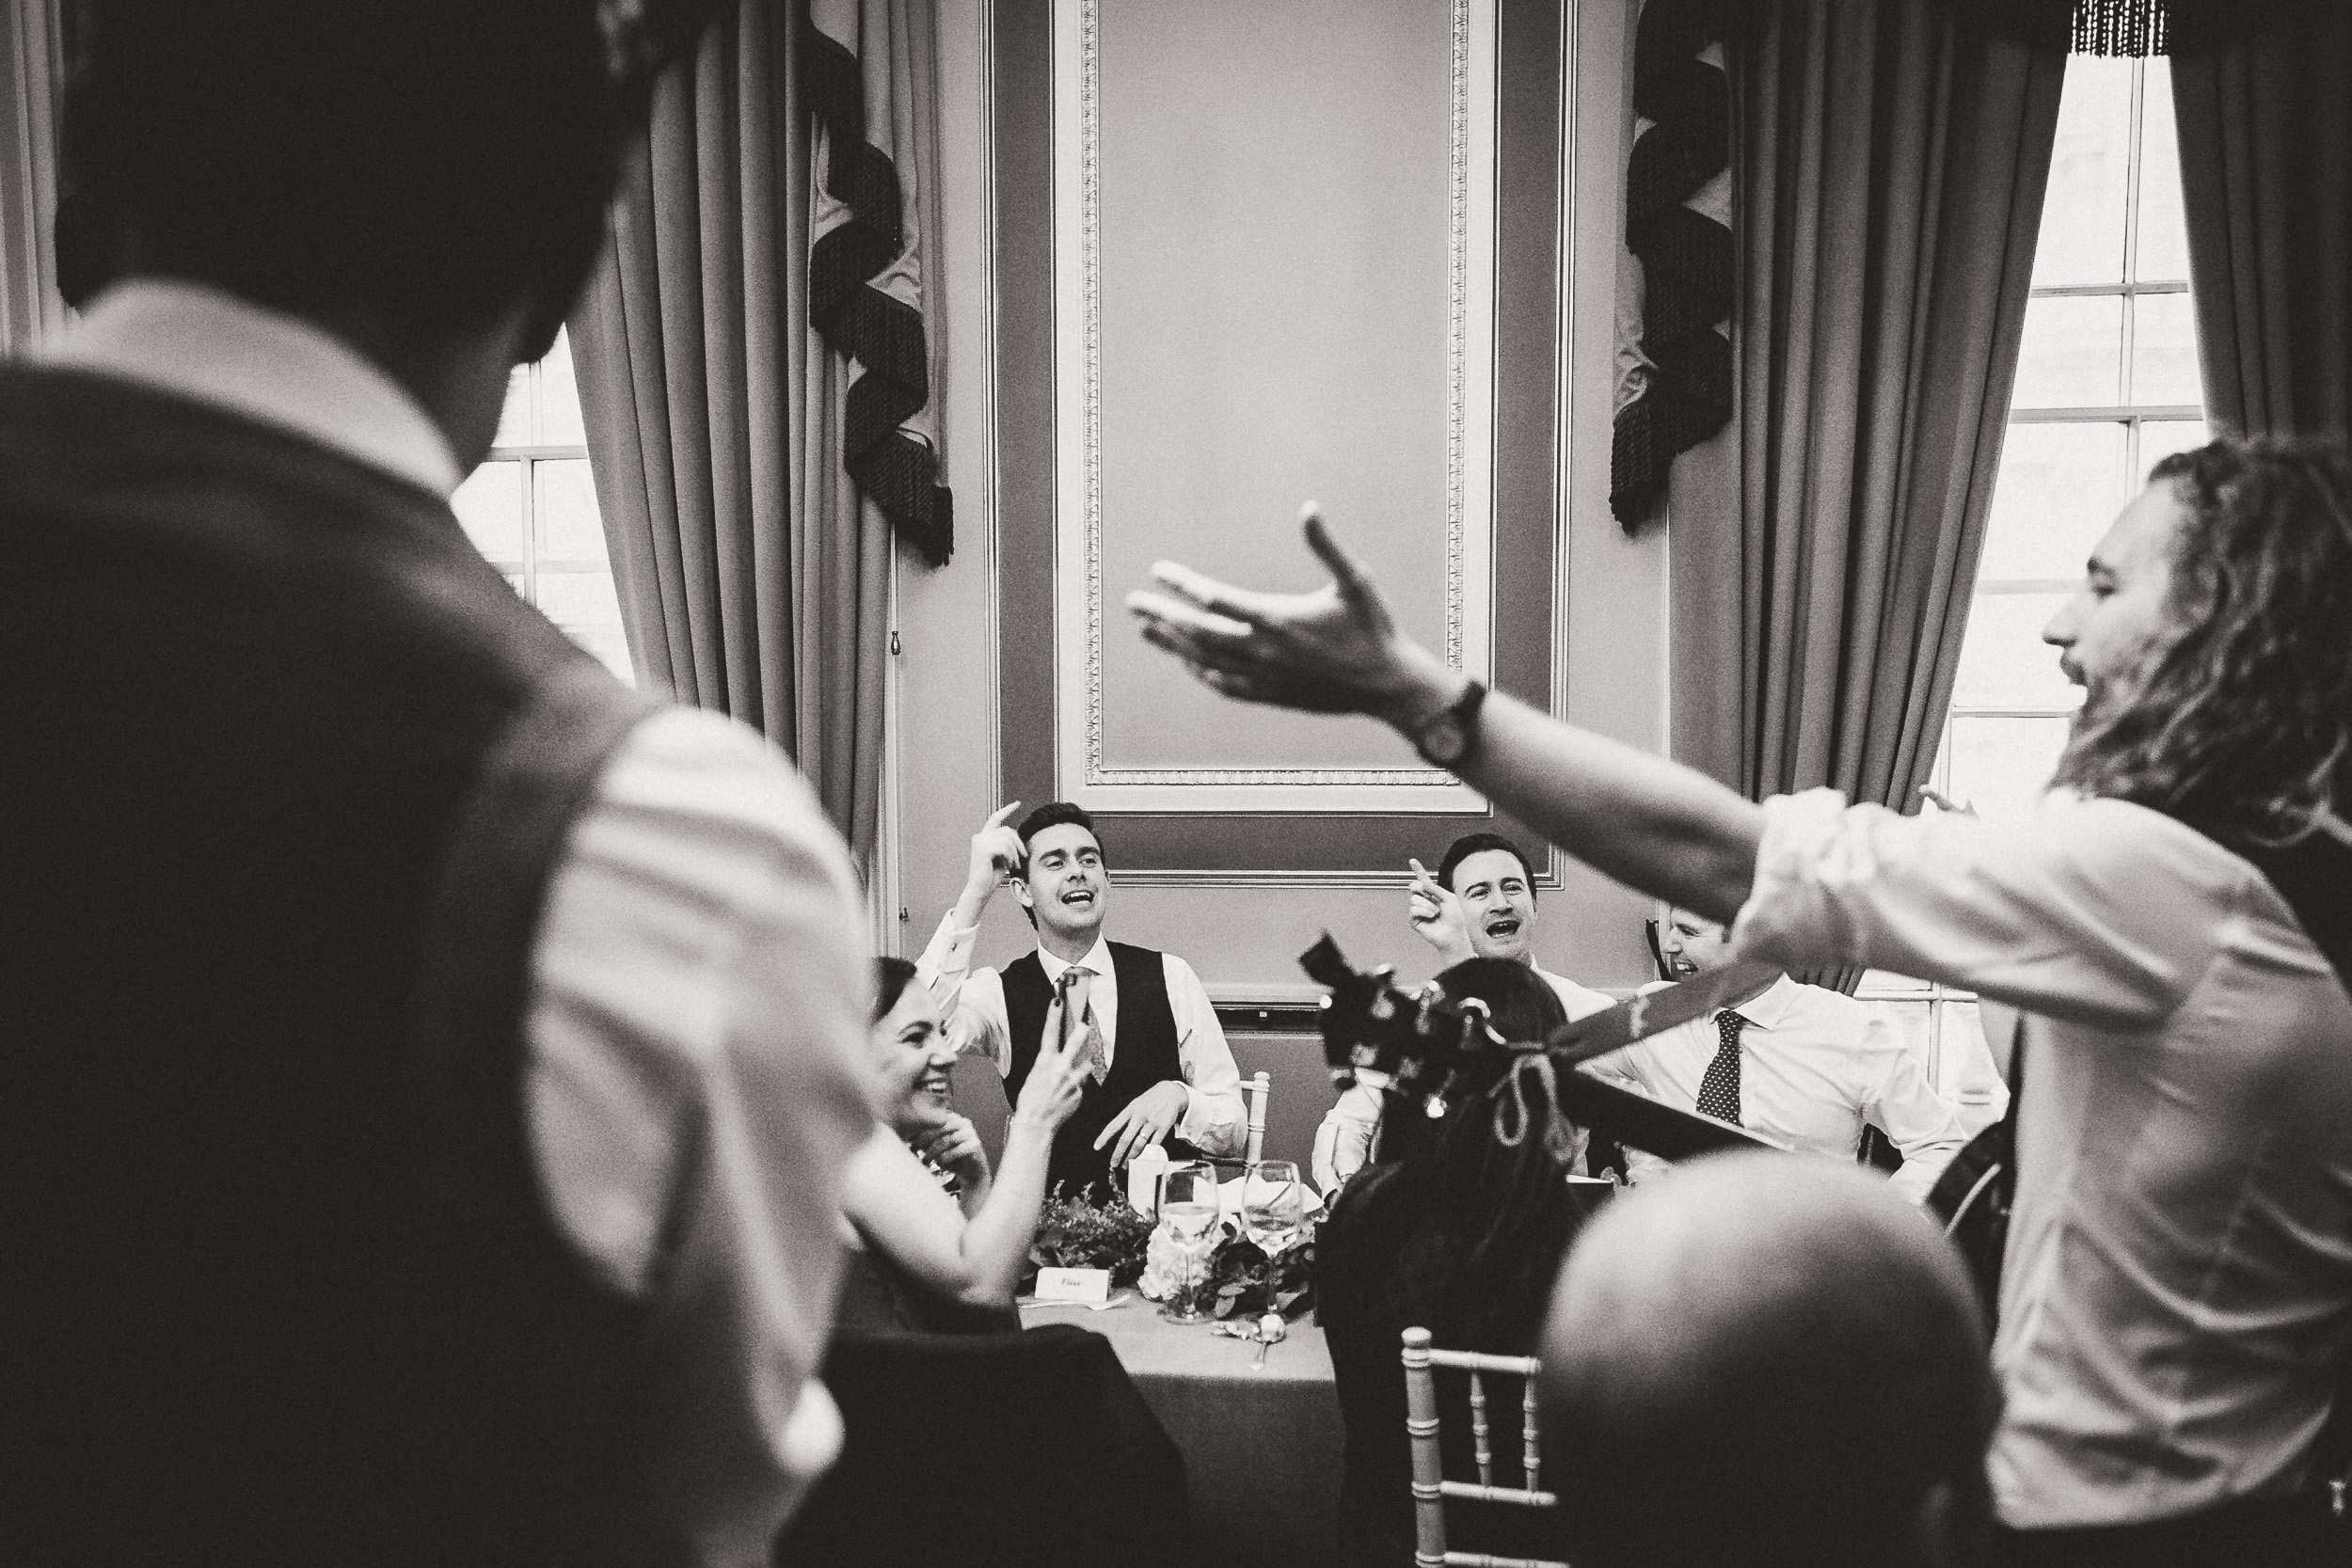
1162,1071
424,1062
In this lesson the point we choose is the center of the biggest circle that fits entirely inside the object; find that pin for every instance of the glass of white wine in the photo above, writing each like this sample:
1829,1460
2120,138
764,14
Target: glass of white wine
1188,1218
1273,1205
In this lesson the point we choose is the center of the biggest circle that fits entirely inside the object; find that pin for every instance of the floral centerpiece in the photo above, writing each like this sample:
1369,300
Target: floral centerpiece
1073,1233
1242,1279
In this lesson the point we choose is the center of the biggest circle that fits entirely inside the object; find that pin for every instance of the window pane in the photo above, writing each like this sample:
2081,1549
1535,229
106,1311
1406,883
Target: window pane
583,599
2163,232
514,421
2003,660
585,606
2072,354
2161,439
2058,488
568,529
2082,217
2001,766
490,505
558,397
2163,350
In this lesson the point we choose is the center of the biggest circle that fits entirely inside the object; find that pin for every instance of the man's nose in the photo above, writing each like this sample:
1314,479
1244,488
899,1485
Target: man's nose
2060,633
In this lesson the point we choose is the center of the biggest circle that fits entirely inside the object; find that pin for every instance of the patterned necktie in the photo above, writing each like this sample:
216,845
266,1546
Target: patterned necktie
1719,1091
1077,984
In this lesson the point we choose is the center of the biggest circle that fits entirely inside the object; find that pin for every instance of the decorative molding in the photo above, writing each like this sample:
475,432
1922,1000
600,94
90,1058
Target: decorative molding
1084,774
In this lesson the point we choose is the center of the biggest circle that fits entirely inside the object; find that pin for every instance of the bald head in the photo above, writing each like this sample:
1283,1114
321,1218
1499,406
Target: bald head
1763,1358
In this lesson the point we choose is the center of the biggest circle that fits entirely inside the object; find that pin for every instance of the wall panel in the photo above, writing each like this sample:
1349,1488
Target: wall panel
1575,609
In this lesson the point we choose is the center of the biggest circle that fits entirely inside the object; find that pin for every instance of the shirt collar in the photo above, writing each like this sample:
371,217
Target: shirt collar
1098,959
1769,1010
209,345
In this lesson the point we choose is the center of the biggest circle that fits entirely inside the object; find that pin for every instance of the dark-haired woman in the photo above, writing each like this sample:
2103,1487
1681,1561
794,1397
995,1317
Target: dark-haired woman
938,1240
1461,1235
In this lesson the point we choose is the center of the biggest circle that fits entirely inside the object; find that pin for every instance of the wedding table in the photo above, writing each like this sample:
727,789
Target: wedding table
1262,1449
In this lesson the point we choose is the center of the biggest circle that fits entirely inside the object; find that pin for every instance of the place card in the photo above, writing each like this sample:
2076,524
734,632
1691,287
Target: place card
1090,1286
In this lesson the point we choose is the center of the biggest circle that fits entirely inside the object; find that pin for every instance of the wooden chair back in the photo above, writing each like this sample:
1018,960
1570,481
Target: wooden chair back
1430,1487
1257,1088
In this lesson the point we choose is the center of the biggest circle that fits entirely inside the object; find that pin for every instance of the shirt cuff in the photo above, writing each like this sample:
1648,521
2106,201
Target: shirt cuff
1793,917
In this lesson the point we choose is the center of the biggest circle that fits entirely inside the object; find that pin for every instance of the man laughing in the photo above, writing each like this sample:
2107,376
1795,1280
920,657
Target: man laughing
1161,1068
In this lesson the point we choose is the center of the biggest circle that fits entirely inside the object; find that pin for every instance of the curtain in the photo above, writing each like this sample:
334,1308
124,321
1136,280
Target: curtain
2265,121
1889,161
31,59
754,572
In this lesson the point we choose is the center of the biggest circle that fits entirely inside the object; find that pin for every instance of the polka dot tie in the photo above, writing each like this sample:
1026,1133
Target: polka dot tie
1719,1091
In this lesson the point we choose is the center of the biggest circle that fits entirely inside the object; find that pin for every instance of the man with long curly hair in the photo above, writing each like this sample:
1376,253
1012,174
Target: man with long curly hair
2177,1289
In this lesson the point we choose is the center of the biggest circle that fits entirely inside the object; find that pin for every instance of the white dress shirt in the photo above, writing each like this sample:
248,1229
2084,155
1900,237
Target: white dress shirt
1350,1129
2177,1290
698,988
1815,1064
972,1002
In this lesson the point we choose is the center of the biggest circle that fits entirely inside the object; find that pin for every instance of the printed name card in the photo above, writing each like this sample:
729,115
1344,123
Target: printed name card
1091,1286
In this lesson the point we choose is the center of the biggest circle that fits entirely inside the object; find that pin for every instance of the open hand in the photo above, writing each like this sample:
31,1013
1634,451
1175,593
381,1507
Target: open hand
996,849
1336,650
1436,914
1149,1117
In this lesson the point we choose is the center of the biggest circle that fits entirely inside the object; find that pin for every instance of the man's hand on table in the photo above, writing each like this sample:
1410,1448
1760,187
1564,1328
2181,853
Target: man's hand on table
1149,1117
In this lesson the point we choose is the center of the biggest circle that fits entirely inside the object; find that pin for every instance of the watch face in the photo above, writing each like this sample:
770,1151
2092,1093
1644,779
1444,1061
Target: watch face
1442,741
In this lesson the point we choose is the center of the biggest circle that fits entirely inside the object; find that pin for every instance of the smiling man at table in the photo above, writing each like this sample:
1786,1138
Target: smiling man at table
1162,1068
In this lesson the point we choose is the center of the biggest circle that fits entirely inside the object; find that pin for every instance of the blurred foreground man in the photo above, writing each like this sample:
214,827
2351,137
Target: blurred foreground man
2174,922
1758,1361
423,1064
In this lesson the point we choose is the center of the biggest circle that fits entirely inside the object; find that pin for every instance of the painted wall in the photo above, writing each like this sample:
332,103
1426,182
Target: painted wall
1608,596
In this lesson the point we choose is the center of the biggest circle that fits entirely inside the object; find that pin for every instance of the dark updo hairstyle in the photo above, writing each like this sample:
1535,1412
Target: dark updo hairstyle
2245,722
439,161
1499,1217
891,978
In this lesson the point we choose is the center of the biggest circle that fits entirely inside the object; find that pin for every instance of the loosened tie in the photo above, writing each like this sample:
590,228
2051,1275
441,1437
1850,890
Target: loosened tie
1719,1091
1077,1011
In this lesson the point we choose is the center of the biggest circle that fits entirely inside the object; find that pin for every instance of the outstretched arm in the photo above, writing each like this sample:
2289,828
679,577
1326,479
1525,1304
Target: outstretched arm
1651,824
898,1208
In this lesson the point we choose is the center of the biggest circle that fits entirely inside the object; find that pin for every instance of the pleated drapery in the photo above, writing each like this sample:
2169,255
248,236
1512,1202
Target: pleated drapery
31,59
754,576
1889,159
2266,122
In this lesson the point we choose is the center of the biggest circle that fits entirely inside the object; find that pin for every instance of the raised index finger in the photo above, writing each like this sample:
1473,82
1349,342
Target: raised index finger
1001,815
1344,569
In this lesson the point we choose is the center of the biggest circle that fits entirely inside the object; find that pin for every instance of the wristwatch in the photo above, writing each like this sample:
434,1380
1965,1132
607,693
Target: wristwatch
1446,738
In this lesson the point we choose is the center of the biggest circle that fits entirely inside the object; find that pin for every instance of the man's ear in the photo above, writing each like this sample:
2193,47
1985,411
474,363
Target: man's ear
1021,888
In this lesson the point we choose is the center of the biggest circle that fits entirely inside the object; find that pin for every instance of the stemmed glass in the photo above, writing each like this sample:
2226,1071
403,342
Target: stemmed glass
1188,1217
1273,1205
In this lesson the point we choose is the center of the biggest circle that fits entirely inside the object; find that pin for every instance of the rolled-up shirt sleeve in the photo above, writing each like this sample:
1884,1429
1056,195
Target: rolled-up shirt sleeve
2069,912
1214,1122
971,1007
699,992
1916,1119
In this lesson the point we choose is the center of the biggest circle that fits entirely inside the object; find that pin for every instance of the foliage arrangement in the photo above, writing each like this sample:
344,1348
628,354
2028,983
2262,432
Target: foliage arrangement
1244,1280
1073,1233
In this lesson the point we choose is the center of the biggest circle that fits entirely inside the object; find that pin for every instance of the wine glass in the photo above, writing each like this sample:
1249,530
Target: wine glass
1188,1218
1273,1205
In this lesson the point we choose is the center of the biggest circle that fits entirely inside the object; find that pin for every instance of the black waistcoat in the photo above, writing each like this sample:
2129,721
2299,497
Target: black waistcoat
284,765
1144,1055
